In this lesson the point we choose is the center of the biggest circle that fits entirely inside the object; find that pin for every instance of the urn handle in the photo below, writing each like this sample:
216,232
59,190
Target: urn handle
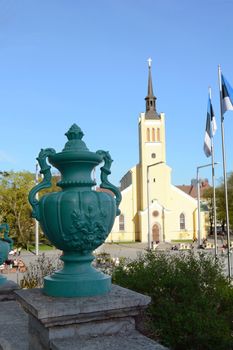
105,171
45,170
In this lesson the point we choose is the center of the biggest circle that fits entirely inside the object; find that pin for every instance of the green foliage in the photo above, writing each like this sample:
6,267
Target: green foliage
220,201
37,270
14,206
192,302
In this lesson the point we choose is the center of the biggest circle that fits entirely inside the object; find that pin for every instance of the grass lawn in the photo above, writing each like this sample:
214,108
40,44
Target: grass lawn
42,247
122,242
182,241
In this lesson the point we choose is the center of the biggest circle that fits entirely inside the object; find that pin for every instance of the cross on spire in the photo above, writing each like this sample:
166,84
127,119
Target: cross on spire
149,62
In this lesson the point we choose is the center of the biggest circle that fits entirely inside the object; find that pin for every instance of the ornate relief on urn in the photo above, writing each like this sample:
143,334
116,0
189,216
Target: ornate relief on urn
77,219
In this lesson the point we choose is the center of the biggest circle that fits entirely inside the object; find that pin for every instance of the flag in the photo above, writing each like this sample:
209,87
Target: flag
212,117
210,130
227,95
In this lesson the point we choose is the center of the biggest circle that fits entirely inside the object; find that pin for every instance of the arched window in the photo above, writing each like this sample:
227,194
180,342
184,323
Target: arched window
182,221
148,135
153,135
121,222
158,134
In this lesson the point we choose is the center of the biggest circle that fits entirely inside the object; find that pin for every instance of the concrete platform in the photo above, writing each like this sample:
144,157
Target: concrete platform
96,323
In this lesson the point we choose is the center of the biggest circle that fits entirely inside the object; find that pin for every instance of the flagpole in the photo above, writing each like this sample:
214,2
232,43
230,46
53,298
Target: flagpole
224,174
198,210
213,185
36,222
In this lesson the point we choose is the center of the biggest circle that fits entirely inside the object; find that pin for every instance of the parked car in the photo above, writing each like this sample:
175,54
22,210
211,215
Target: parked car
220,231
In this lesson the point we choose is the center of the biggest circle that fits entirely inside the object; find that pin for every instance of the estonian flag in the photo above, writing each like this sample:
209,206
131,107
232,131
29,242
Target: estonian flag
227,96
211,128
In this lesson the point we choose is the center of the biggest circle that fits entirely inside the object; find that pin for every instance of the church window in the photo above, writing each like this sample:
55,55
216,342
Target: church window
182,221
148,135
121,222
158,134
153,155
153,135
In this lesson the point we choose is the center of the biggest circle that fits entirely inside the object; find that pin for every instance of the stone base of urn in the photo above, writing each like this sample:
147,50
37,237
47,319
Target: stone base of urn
100,322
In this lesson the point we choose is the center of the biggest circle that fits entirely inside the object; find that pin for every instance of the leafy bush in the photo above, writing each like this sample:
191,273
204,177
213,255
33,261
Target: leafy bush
37,270
192,301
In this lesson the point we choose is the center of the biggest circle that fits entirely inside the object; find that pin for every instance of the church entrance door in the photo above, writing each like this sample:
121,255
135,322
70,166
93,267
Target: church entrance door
155,233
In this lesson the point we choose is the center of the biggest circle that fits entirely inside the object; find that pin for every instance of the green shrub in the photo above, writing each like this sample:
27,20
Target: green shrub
192,301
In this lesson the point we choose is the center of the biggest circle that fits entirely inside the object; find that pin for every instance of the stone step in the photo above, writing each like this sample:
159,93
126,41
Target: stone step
131,341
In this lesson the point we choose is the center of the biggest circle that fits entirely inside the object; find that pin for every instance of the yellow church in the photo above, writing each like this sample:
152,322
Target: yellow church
152,209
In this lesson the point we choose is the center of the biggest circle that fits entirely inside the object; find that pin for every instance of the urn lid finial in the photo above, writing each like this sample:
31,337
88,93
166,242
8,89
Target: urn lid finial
75,143
74,132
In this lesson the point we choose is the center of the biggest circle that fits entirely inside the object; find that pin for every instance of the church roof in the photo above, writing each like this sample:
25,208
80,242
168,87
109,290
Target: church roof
192,189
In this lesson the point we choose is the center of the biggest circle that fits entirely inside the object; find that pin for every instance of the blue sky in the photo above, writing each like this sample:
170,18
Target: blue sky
86,62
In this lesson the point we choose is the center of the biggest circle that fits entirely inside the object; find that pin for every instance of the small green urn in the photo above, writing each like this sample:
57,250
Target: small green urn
6,244
77,219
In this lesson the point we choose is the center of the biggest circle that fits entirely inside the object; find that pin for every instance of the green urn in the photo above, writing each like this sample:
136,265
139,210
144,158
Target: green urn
76,219
6,244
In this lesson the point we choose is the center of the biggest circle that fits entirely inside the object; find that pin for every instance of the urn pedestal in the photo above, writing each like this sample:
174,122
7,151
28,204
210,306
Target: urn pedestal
108,321
6,244
76,219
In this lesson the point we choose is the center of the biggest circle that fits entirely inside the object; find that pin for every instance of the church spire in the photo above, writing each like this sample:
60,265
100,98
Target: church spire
151,112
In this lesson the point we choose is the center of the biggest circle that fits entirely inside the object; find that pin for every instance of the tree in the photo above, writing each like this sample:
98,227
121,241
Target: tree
220,201
14,206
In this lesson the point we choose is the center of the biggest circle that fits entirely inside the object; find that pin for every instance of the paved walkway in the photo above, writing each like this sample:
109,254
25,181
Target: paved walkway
13,326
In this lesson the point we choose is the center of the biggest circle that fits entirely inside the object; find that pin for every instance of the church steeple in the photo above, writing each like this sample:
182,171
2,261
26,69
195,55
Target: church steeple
151,112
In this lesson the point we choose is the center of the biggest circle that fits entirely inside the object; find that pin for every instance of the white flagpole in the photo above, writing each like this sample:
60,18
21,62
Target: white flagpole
213,184
224,174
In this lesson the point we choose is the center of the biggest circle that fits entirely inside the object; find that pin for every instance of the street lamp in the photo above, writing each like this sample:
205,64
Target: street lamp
148,202
199,210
